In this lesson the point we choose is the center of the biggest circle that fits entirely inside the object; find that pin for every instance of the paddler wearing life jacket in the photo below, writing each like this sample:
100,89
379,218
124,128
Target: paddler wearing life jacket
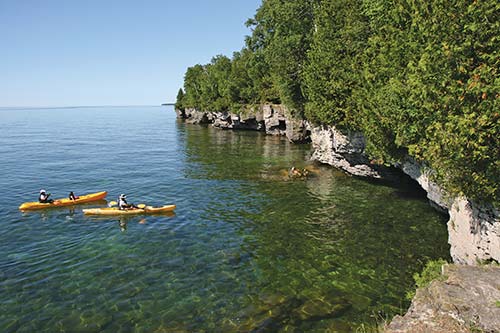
44,197
123,204
72,196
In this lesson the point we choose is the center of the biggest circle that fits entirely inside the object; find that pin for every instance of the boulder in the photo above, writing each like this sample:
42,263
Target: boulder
467,301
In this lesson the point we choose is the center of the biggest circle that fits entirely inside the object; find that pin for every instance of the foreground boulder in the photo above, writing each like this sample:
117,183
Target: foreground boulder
468,300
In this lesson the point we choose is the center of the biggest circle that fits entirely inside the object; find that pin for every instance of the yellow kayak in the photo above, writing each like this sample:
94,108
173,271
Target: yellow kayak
64,202
134,211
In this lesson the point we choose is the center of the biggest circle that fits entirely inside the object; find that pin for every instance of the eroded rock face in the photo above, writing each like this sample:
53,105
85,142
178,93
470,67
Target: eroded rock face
473,229
194,116
465,302
297,130
344,151
435,193
274,119
474,232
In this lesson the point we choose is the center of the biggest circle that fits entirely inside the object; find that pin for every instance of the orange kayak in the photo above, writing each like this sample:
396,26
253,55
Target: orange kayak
113,211
64,202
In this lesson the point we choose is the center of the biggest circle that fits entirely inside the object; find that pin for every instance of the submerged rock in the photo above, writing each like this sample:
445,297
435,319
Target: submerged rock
467,301
320,308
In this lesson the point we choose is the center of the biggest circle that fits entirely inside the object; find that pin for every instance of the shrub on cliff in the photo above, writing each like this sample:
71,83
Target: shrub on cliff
431,272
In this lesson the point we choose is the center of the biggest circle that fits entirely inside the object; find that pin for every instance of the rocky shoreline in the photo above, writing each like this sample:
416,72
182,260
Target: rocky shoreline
473,228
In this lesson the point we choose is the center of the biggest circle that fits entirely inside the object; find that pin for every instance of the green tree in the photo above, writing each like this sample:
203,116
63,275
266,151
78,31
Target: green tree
332,71
282,31
179,104
192,86
215,84
416,77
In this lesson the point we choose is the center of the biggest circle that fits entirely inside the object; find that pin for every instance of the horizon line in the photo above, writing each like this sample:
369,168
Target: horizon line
81,106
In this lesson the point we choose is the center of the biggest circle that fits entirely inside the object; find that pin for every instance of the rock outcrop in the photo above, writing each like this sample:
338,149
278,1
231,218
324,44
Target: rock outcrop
272,119
473,229
468,300
297,130
474,232
343,151
193,116
436,195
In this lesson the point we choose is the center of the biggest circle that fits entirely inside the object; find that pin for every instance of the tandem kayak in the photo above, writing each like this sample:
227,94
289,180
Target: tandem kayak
136,211
64,202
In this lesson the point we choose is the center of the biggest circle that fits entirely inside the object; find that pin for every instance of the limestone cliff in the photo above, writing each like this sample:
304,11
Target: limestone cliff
474,228
271,119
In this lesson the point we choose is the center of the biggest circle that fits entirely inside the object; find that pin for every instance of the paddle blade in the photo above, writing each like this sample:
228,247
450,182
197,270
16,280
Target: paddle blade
112,203
141,206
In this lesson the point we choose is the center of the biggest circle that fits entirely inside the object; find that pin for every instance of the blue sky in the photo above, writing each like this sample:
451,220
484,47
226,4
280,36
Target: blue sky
111,52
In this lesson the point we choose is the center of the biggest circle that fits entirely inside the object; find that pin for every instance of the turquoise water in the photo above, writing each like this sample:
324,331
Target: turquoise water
247,250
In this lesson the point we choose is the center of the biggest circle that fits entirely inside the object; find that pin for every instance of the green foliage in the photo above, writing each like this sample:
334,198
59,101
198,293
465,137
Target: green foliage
431,272
283,33
431,78
179,104
416,77
332,71
192,86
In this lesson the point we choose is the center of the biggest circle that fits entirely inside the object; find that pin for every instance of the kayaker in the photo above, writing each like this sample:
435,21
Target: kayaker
44,197
72,196
123,204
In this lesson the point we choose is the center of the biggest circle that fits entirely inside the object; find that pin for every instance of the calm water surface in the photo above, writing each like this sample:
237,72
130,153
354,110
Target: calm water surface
247,248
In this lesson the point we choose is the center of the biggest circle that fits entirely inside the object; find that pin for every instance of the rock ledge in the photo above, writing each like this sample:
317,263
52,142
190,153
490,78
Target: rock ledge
467,301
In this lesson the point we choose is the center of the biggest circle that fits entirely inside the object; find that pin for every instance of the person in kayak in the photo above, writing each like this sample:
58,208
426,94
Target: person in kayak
72,196
123,204
44,197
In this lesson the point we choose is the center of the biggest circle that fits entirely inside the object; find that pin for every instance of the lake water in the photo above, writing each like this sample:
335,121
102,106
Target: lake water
247,250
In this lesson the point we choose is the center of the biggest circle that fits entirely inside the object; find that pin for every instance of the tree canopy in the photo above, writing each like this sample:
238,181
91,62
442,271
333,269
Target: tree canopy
416,77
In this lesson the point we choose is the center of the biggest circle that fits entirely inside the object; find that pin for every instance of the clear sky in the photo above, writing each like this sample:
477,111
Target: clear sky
111,52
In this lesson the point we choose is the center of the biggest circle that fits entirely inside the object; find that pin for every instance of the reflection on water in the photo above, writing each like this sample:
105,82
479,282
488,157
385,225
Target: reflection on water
248,248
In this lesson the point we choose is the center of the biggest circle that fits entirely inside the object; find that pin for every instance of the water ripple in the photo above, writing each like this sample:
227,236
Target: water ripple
247,247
